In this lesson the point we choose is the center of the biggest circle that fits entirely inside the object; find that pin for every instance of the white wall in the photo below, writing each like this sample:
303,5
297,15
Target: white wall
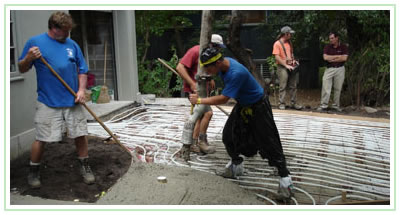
23,88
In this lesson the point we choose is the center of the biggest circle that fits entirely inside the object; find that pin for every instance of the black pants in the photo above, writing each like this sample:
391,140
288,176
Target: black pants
252,129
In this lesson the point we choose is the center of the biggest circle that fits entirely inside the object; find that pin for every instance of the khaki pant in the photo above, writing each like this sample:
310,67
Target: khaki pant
287,81
332,76
50,122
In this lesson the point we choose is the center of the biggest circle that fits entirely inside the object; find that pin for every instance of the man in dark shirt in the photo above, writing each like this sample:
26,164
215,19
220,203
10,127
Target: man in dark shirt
336,55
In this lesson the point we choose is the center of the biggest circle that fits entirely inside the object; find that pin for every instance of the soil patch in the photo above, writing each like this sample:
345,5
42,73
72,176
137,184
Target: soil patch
60,175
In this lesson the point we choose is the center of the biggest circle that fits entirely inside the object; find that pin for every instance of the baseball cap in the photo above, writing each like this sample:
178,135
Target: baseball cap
209,55
217,39
287,29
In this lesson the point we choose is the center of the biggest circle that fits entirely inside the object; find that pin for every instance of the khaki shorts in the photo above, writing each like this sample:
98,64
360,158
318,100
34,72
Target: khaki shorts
50,122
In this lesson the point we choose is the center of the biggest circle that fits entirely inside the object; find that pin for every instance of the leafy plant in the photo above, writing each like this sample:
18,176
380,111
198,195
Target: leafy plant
271,63
154,77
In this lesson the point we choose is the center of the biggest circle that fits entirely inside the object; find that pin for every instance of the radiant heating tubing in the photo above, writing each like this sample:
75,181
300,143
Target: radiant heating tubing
326,156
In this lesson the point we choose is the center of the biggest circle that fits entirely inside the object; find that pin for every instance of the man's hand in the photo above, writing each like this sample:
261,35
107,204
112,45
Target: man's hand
212,84
33,53
193,87
80,97
289,67
25,64
193,98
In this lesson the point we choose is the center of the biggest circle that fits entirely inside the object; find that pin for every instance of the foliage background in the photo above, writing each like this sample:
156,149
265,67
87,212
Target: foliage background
367,33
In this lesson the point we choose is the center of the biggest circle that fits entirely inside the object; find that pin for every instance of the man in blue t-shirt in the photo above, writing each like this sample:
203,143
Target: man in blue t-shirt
55,105
250,128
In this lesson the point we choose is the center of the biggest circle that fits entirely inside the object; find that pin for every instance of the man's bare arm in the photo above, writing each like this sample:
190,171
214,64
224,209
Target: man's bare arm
181,69
25,64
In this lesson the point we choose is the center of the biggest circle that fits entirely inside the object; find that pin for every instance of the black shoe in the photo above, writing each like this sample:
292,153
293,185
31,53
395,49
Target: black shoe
336,108
296,106
320,109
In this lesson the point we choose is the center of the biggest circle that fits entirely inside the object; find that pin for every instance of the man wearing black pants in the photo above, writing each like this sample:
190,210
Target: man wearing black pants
250,127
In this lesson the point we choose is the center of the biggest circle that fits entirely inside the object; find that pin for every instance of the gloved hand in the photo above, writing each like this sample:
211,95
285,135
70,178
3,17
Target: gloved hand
286,187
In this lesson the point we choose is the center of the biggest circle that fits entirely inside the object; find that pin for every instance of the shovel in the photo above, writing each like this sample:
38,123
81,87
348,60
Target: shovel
84,105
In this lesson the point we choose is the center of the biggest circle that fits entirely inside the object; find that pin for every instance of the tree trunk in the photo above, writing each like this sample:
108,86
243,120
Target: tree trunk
243,55
380,96
358,98
178,41
205,37
206,28
146,46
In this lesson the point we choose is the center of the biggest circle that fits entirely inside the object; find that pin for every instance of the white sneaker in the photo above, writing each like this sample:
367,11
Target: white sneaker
286,187
232,170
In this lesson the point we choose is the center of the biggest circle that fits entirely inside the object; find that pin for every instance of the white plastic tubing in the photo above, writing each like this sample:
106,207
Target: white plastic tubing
323,154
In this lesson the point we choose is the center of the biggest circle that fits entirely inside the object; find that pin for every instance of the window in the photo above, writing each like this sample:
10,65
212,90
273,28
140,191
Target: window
13,53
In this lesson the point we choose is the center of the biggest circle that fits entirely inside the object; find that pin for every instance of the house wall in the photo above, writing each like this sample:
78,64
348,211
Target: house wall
23,87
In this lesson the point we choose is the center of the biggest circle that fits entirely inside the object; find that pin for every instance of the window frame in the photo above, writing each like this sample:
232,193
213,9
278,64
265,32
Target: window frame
15,74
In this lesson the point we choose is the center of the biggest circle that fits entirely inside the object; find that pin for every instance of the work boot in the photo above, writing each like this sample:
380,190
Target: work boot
286,188
195,147
86,171
34,176
205,147
232,170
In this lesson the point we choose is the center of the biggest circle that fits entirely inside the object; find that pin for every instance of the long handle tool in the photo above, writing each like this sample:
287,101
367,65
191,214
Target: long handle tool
84,105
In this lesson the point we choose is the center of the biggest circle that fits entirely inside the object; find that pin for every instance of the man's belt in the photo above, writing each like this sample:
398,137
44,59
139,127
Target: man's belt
335,66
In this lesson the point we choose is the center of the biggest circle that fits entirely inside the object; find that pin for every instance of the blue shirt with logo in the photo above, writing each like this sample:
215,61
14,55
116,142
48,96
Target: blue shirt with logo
240,84
66,59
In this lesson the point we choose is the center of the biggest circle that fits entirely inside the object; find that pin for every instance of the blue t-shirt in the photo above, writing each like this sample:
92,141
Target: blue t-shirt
240,84
66,59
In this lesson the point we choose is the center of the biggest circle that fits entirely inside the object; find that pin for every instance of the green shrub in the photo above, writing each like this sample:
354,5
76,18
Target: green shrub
154,77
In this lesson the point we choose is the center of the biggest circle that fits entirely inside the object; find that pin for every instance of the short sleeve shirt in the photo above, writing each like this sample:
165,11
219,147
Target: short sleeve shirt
190,60
278,50
66,59
240,84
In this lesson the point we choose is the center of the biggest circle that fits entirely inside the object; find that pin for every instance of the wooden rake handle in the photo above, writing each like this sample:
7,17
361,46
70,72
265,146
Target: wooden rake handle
84,105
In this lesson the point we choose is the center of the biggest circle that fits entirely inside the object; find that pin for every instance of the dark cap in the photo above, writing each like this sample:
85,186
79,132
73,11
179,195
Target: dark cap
287,29
209,55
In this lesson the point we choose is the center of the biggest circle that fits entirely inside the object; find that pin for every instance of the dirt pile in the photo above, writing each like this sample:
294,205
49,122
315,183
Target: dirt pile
60,171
